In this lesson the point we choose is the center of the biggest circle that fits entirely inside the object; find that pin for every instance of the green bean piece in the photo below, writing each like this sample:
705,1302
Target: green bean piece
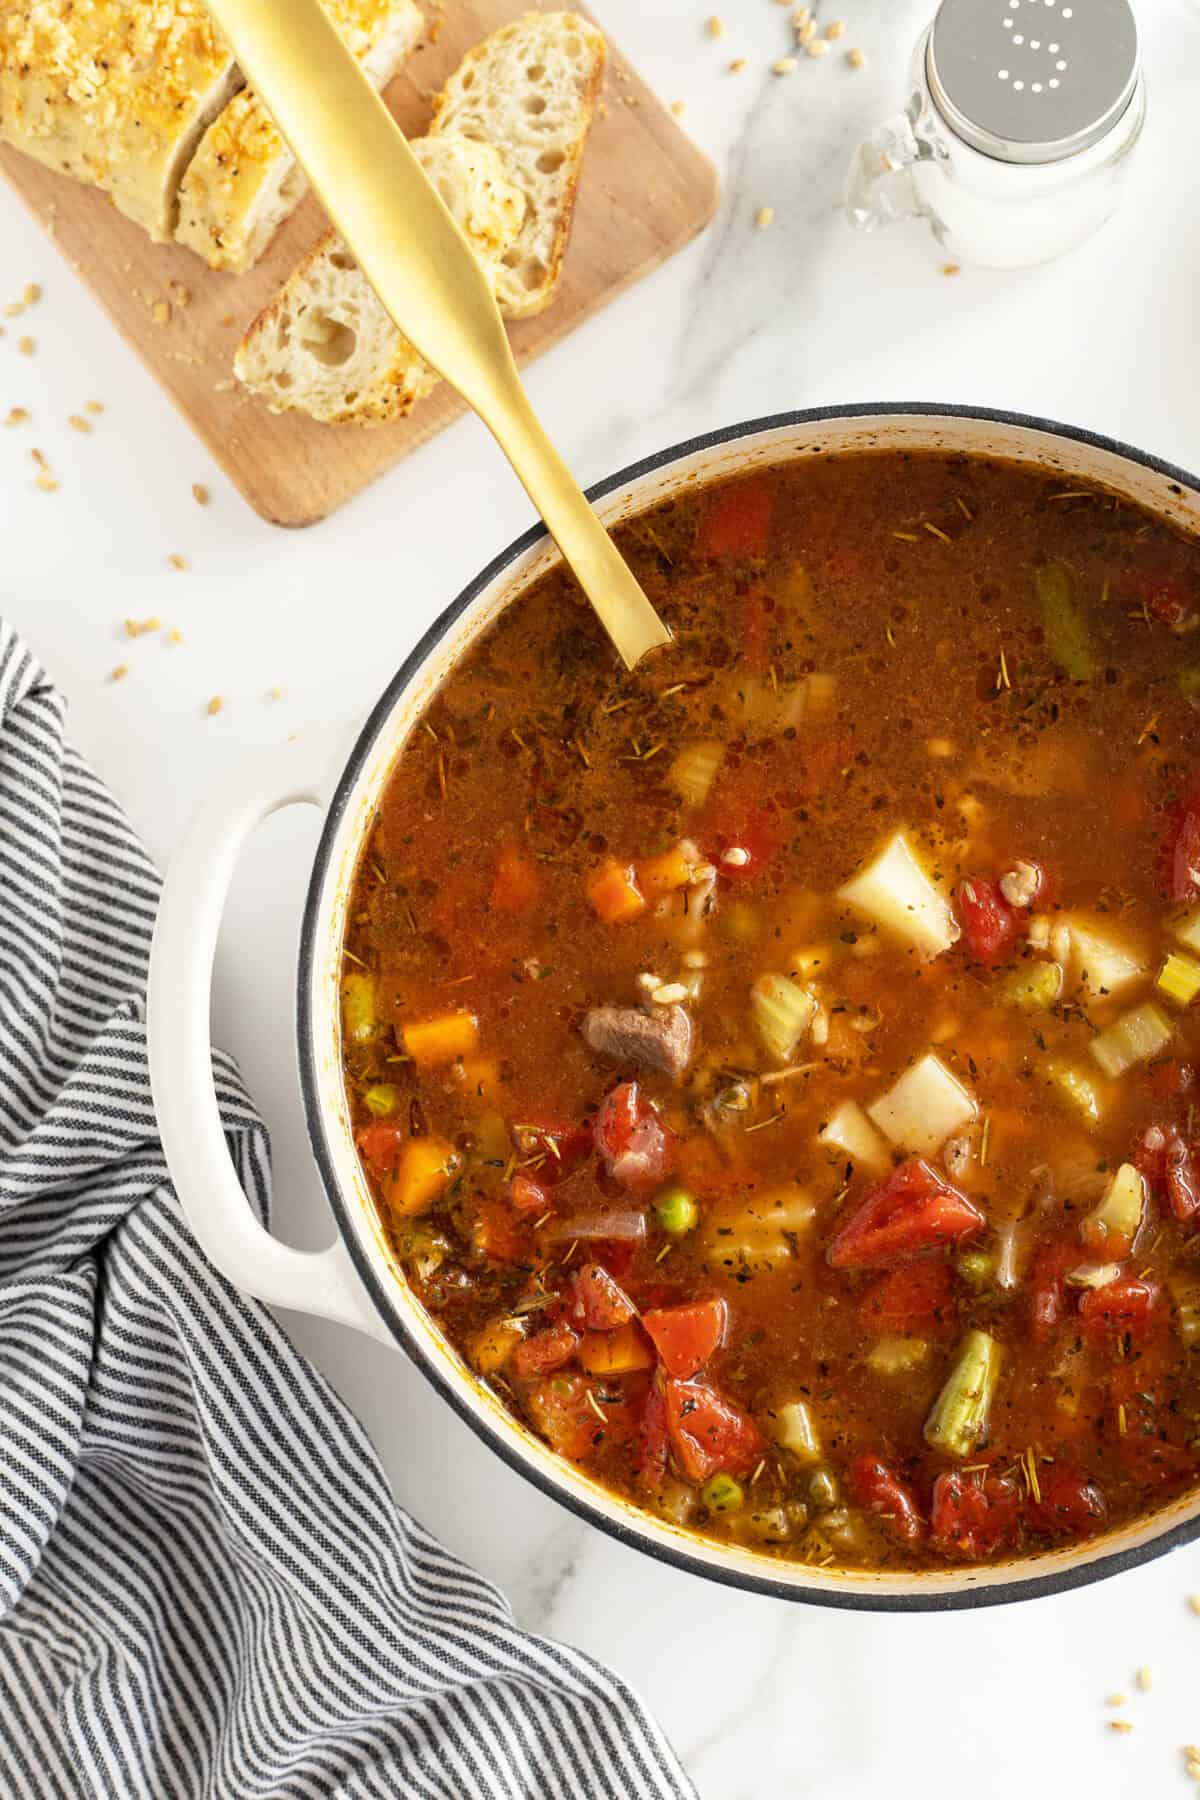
358,1007
959,1418
722,1494
677,1211
382,1099
1067,637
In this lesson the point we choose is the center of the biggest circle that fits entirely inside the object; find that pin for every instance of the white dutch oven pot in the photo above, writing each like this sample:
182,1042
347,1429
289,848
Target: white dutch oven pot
355,1281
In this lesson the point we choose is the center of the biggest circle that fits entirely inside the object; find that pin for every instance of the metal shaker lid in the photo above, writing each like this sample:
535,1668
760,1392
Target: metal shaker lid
1031,81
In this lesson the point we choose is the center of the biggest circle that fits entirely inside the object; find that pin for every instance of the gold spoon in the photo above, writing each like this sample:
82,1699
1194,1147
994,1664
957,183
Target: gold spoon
424,272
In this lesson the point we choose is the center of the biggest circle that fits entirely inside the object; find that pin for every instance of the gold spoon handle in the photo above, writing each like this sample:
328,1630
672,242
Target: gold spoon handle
424,271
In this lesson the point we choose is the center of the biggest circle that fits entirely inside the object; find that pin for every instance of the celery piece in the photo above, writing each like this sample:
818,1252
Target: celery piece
1119,1214
1179,978
925,1107
852,1133
897,1355
1034,987
1077,1089
382,1099
782,1013
358,1007
722,1494
976,1267
823,1489
1067,637
1186,1295
1187,928
695,769
677,1211
1135,1037
796,1430
895,891
958,1422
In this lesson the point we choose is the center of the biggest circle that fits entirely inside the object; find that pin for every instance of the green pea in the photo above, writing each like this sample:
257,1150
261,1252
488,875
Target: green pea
977,1267
722,1494
677,1211
381,1099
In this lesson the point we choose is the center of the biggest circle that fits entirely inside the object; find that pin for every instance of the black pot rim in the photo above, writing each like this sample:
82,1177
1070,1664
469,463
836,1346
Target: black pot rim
504,1443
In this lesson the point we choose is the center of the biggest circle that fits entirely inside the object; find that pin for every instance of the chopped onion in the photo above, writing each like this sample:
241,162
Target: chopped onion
628,1227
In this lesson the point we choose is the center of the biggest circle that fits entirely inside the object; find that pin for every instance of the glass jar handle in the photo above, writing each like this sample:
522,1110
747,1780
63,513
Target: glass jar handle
880,188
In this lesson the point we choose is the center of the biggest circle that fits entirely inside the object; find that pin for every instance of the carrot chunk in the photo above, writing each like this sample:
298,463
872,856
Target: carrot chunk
435,1042
614,892
517,883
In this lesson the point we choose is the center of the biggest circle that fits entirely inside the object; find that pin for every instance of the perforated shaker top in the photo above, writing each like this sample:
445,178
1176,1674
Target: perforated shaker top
1032,81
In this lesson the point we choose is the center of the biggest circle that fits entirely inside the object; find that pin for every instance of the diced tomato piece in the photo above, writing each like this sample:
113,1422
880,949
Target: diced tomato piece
738,520
1180,854
499,1234
562,1145
597,1302
756,625
916,1297
1047,1287
708,1432
653,1442
527,1196
562,1411
990,925
548,1351
1127,1309
878,1490
913,1210
517,883
1168,1162
686,1336
1069,1505
635,1144
381,1146
1167,600
974,1519
1169,1079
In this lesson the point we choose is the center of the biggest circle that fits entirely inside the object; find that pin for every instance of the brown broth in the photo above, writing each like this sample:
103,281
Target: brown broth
910,581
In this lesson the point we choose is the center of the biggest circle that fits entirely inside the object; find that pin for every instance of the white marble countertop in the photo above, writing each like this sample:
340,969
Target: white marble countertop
762,1699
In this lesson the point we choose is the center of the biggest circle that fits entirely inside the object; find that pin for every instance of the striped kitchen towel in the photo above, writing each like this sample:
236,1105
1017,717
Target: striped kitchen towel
205,1586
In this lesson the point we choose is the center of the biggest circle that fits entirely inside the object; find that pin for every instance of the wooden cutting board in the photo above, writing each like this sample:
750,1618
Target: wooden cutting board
644,191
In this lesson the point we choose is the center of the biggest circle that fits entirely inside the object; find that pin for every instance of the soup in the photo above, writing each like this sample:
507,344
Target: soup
776,1070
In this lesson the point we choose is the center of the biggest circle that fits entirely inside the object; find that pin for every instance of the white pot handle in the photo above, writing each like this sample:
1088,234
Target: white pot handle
177,1009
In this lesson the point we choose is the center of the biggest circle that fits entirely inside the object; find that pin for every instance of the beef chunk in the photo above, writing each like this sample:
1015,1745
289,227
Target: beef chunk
659,1038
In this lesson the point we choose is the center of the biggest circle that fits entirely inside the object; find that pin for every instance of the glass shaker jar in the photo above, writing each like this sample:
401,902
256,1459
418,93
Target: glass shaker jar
1017,133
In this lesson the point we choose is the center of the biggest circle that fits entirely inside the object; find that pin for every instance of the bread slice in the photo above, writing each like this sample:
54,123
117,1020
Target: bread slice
325,345
116,93
530,89
243,181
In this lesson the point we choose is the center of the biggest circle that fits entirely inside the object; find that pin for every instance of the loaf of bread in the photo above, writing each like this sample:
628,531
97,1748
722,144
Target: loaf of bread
530,89
325,345
243,181
115,93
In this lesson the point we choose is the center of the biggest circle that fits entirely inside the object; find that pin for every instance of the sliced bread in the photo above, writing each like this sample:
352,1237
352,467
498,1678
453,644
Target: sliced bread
243,181
326,347
115,92
530,89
